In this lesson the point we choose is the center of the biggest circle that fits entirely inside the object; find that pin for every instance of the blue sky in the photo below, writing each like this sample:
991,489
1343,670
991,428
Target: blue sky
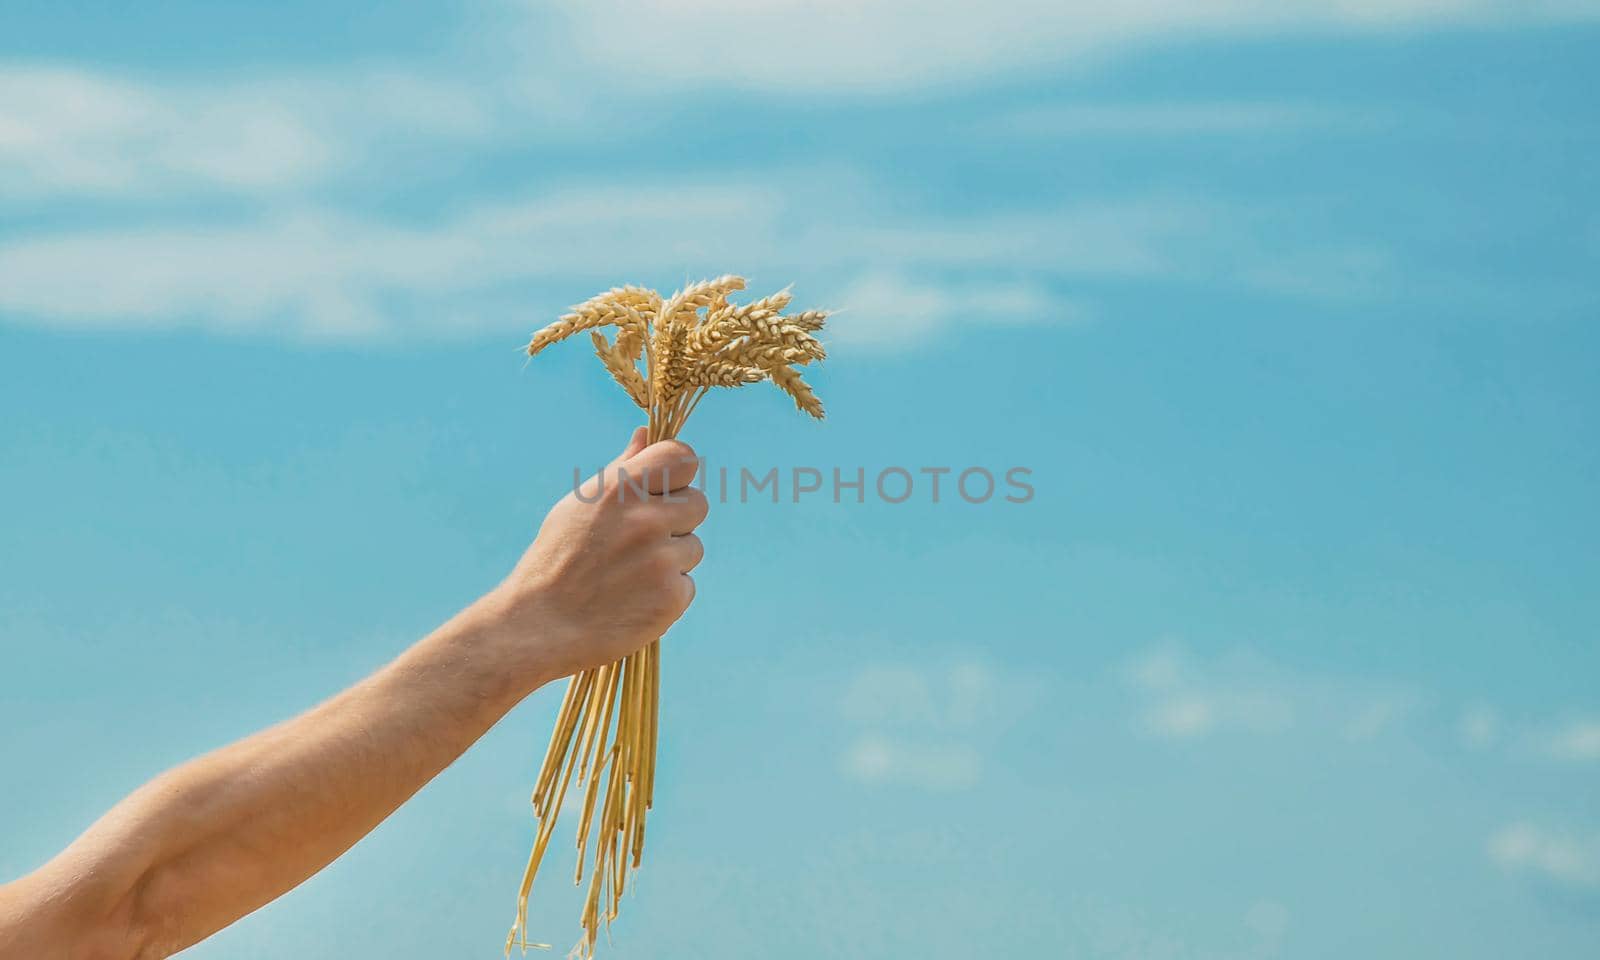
1289,307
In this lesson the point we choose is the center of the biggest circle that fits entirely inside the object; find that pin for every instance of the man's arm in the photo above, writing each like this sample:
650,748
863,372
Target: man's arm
212,840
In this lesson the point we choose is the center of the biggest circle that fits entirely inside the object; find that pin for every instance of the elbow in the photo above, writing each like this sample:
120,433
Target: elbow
125,924
121,930
47,916
148,919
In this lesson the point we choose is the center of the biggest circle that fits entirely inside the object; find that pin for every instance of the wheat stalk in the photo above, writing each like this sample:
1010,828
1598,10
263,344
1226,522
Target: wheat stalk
688,343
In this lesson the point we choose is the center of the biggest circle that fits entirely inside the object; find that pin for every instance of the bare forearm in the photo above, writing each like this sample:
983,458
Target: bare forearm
218,837
202,845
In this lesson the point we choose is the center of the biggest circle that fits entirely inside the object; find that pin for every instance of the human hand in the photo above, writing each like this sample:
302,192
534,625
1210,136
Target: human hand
609,569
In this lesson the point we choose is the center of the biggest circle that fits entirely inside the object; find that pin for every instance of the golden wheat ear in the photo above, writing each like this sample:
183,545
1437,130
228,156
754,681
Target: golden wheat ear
621,367
682,307
587,316
724,373
788,380
808,320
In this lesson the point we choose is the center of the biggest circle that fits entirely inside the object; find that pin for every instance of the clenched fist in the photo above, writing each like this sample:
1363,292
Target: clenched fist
609,570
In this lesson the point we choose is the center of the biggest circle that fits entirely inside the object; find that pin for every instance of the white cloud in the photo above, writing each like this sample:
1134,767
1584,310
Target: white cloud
882,308
927,726
319,274
1575,741
1185,698
1268,920
929,765
1183,717
1578,741
900,694
958,697
1182,699
894,45
1565,858
67,130
286,263
1479,726
1373,718
1160,669
283,262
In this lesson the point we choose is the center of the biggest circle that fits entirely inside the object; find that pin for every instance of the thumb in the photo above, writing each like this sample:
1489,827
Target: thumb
595,486
635,444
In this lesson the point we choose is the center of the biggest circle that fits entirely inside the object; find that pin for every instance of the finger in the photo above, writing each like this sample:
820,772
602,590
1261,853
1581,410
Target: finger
688,591
683,510
664,467
687,551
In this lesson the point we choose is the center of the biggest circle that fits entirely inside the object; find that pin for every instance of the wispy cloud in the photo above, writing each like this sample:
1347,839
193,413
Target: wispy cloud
929,765
1269,920
1376,716
1568,859
66,130
926,726
1180,701
882,308
288,253
1479,726
887,46
1577,741
322,274
1184,698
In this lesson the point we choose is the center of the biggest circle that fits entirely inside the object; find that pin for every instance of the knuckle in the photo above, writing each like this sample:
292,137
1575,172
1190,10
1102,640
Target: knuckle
664,566
676,449
627,484
645,523
670,602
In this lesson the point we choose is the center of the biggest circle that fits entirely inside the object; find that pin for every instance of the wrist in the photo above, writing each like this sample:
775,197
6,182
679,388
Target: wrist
518,635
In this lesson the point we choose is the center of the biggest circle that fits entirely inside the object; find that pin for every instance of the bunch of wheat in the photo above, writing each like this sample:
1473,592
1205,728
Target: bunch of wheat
692,341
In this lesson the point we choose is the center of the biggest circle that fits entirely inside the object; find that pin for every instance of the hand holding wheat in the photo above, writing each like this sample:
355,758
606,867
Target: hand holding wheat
612,556
687,344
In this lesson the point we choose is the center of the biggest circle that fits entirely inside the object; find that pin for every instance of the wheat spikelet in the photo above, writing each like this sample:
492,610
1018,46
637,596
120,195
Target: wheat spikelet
606,727
678,315
583,317
642,299
681,307
724,373
630,342
669,374
765,356
715,333
731,322
809,321
621,367
640,309
789,381
627,307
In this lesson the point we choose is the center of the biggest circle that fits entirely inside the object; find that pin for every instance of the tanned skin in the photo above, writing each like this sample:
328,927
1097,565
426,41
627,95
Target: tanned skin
204,844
